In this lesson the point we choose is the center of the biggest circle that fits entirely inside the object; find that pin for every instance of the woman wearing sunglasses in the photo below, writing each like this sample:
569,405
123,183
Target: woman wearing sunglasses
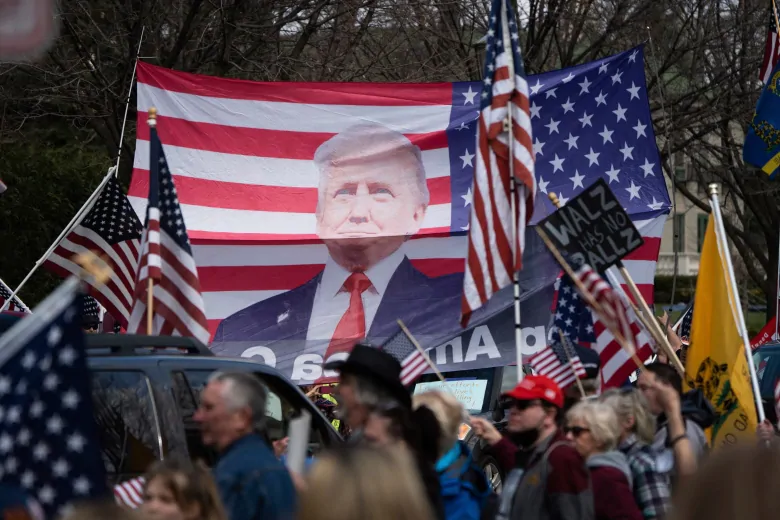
594,430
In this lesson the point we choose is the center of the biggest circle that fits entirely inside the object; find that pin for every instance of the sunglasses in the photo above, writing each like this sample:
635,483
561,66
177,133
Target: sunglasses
520,405
575,430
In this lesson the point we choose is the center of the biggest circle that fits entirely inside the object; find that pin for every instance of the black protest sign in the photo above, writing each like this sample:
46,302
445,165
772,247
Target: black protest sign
593,228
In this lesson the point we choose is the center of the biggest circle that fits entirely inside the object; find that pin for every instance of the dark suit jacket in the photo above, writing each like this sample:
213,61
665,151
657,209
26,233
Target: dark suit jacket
426,306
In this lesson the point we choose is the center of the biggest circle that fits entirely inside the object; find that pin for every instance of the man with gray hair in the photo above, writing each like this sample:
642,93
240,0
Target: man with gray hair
372,197
252,483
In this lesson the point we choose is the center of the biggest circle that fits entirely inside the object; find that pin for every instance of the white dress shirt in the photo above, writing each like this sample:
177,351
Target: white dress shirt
331,301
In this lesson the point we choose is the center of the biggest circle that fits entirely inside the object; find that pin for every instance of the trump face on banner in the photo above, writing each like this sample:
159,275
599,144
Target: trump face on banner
372,197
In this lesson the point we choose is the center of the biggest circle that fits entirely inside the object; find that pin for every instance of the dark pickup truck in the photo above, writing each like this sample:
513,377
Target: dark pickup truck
147,388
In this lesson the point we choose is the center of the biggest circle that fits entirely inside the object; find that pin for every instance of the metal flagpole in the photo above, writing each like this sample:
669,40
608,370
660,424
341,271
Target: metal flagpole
507,42
73,222
127,102
720,233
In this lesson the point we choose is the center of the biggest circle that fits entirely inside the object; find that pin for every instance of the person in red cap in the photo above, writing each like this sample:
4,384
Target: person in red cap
548,478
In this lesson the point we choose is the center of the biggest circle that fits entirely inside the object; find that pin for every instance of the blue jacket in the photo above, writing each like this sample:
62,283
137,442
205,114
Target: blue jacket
253,483
464,486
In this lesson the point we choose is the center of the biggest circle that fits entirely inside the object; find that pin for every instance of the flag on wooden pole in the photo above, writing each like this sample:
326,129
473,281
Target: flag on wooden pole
166,258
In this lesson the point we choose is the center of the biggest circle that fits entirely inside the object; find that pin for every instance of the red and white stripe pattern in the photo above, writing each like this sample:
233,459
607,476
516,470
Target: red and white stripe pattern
130,493
616,317
560,363
496,243
241,157
413,362
412,367
112,230
166,260
771,46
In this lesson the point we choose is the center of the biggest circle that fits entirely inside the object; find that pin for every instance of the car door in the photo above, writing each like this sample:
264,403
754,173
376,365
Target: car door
129,429
189,381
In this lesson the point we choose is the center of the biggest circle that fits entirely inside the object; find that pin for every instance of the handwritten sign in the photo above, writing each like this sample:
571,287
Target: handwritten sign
593,228
469,392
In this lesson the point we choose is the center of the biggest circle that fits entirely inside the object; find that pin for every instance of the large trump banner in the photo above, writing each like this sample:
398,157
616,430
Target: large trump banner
323,212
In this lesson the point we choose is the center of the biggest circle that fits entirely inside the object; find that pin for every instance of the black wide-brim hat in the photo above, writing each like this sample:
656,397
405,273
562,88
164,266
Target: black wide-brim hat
374,364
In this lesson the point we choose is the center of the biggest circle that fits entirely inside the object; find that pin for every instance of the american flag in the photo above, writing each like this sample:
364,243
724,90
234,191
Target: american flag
110,229
48,437
771,47
570,315
616,364
242,151
685,325
559,361
15,305
130,493
166,258
496,242
413,363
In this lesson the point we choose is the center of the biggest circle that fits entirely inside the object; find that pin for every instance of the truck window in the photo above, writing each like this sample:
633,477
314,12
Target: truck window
127,427
188,385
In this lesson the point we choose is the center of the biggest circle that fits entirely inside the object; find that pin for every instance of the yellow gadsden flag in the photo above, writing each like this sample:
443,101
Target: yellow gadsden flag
716,361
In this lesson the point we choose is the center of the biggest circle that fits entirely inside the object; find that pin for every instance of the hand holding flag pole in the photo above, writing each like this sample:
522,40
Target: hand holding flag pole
626,343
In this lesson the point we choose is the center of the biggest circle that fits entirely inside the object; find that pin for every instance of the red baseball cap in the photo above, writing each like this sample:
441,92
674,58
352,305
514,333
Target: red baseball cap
537,387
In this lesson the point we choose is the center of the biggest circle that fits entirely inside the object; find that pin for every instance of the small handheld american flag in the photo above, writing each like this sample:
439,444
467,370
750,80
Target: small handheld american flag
130,493
413,362
559,362
685,325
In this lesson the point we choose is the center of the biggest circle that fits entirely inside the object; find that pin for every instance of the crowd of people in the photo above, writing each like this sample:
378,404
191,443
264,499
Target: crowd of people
637,452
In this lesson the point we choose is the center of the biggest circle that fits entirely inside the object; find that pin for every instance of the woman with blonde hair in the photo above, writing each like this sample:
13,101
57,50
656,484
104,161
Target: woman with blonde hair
651,487
365,483
181,490
464,487
594,429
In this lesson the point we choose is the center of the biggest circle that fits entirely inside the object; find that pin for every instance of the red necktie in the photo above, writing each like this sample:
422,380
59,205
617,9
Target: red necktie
351,326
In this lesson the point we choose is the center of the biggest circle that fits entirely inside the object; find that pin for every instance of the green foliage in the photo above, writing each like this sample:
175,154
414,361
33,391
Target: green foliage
686,286
49,173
